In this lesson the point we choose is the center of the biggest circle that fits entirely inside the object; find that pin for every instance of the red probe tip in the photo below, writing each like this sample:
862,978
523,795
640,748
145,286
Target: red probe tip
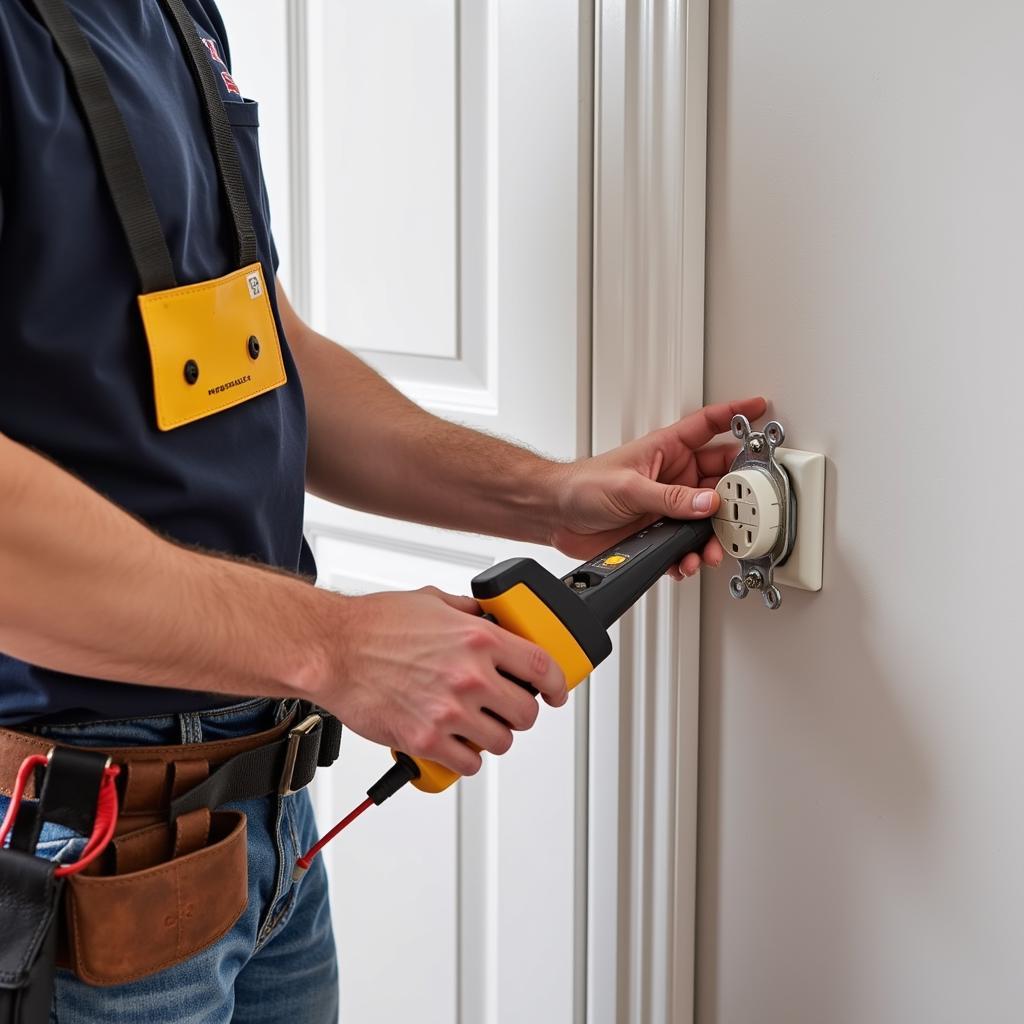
303,863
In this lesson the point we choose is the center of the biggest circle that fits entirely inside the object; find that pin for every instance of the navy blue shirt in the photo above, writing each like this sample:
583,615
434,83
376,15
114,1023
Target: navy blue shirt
75,378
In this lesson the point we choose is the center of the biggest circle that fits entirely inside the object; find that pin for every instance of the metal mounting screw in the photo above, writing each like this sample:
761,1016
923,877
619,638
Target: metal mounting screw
756,444
753,580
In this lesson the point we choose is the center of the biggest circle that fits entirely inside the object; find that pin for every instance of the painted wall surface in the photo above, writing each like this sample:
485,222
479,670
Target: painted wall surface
862,750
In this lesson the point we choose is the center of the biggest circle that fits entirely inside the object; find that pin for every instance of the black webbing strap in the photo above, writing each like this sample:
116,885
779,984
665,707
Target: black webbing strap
220,133
70,790
284,766
117,157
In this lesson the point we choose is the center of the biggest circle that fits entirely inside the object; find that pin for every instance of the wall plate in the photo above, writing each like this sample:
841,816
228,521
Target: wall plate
806,472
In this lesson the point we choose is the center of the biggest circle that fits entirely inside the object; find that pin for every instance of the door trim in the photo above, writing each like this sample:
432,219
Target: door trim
648,328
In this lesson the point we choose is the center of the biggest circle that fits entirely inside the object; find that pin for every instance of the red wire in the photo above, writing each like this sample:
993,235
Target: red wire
34,761
103,826
307,858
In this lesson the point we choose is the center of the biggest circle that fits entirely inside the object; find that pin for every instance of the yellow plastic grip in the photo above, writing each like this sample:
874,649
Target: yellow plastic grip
520,611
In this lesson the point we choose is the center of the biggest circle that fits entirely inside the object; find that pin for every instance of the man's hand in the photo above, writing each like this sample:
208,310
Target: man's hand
421,673
669,472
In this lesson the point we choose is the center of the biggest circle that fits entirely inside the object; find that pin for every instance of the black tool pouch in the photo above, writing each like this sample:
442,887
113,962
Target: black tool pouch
30,891
29,898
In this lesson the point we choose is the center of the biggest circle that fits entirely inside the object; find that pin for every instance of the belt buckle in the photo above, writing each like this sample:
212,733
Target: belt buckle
304,728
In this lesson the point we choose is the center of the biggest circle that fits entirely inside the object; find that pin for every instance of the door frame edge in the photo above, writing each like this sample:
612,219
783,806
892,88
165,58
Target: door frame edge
650,130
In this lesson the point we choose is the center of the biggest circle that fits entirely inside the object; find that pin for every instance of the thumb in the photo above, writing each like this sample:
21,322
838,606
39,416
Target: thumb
675,500
456,601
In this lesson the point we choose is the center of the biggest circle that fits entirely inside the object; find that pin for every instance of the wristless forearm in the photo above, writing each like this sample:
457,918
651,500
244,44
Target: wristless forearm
386,455
446,475
91,591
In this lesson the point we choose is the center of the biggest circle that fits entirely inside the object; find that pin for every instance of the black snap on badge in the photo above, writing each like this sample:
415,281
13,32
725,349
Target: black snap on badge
191,372
254,347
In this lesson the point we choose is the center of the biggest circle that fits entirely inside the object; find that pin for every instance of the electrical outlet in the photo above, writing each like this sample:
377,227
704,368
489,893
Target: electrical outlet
771,514
747,522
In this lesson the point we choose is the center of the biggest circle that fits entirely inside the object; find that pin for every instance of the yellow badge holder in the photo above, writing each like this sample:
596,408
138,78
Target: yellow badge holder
212,344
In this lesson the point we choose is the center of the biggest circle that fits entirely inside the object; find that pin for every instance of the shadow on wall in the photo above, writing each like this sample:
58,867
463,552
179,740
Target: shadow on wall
824,713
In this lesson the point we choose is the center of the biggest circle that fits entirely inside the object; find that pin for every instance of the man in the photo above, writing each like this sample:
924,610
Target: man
156,586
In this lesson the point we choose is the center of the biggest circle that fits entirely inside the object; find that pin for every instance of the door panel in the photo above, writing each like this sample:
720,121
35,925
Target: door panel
438,222
861,749
390,107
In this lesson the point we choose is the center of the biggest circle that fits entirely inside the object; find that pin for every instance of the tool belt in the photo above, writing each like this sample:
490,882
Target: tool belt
173,878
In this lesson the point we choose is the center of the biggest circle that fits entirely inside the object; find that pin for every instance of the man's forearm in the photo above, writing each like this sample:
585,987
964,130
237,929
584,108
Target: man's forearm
87,589
373,449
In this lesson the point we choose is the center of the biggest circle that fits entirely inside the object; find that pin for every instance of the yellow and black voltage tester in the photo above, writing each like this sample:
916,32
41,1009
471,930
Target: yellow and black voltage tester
568,617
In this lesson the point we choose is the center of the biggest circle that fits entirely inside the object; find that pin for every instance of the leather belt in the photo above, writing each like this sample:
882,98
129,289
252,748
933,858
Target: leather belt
164,782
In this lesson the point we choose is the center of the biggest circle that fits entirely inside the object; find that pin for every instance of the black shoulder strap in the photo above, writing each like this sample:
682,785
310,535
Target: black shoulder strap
120,165
220,133
118,159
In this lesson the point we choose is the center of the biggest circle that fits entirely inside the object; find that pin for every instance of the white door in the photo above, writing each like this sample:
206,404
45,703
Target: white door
429,174
862,749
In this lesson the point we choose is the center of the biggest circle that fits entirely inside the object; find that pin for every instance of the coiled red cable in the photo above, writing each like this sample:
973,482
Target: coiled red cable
103,825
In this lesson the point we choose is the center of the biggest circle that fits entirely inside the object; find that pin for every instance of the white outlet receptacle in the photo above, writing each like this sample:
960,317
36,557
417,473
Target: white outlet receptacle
747,521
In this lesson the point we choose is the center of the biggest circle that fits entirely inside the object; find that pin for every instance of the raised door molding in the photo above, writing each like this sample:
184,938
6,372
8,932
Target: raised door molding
648,328
414,290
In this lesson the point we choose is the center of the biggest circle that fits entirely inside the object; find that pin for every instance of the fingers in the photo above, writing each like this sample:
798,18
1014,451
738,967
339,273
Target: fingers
712,555
457,756
532,664
690,565
516,706
675,500
488,733
714,462
486,729
456,601
697,429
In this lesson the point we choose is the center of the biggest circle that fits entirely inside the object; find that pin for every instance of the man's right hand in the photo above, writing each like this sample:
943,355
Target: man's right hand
420,672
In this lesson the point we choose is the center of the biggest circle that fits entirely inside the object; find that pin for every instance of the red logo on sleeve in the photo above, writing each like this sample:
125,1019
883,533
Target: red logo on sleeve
230,83
212,47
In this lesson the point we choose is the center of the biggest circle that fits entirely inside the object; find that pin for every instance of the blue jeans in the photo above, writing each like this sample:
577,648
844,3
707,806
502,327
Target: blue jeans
278,963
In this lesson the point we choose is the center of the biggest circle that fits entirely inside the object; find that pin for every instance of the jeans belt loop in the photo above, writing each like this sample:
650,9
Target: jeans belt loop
295,737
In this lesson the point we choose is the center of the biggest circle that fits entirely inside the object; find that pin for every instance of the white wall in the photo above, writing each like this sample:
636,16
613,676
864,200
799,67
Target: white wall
862,818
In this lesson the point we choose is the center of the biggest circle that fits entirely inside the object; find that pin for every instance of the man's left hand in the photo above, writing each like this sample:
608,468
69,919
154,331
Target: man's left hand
668,472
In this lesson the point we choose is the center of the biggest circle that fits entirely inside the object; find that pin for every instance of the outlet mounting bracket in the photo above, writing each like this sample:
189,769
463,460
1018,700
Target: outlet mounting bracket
758,453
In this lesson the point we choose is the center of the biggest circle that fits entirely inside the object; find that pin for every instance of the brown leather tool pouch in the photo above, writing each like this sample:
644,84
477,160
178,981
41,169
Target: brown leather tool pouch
163,894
